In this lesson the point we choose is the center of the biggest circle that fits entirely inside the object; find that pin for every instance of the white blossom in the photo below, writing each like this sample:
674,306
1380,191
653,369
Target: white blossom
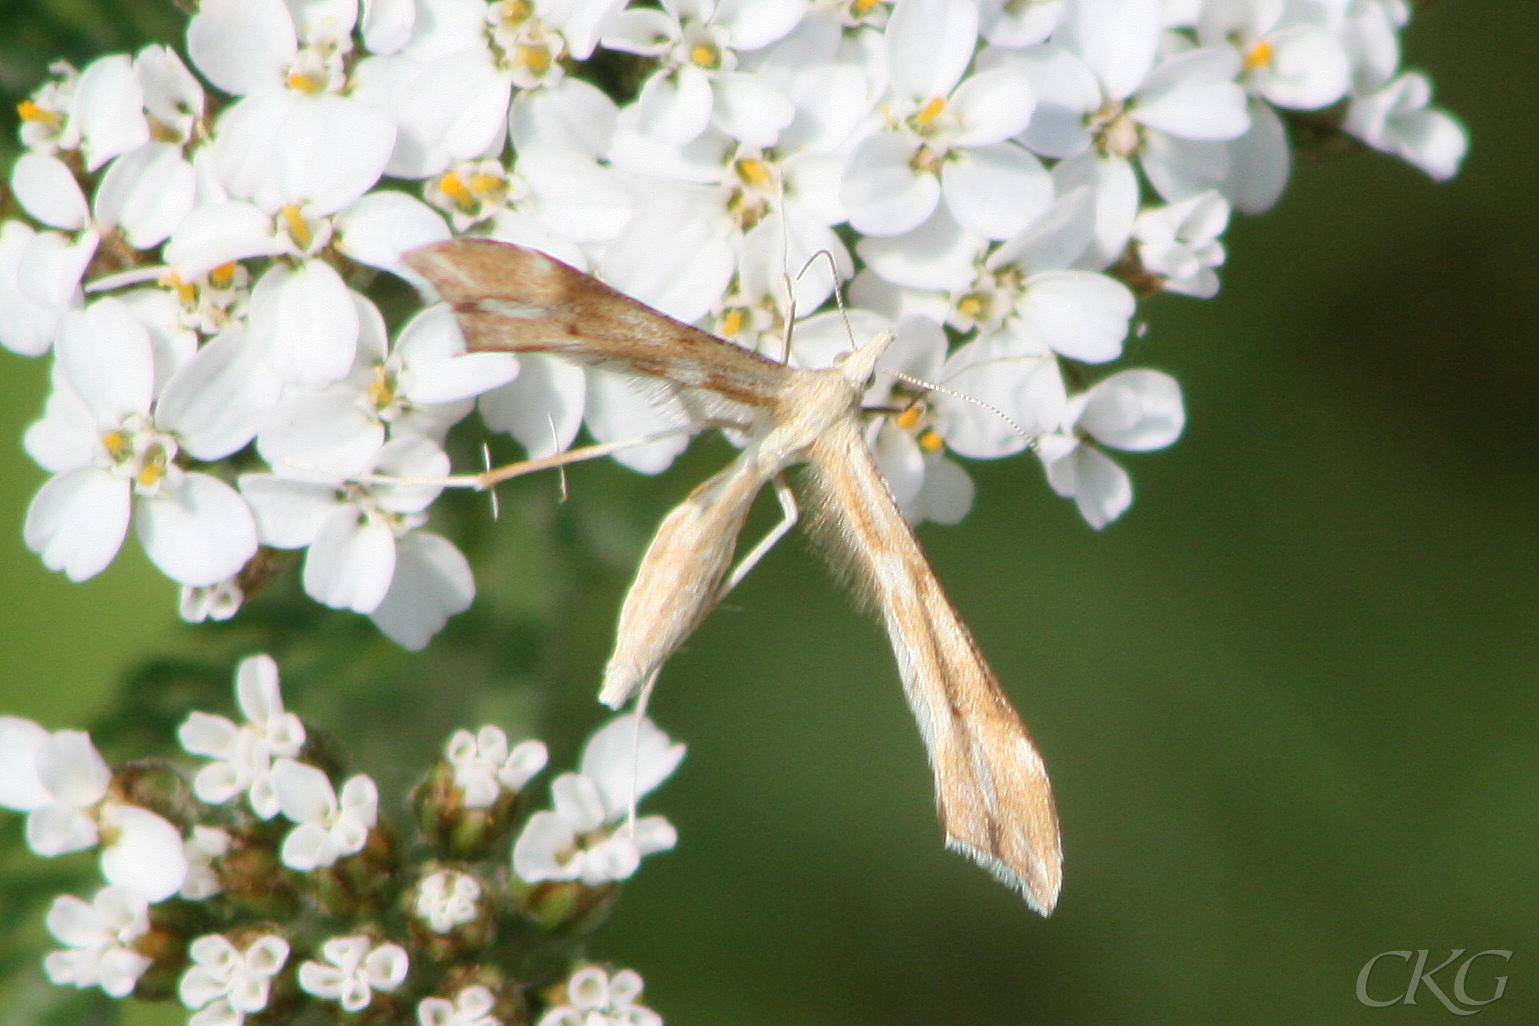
470,1007
583,837
225,983
1133,410
242,755
1180,242
201,850
447,899
596,998
328,826
98,939
353,970
484,767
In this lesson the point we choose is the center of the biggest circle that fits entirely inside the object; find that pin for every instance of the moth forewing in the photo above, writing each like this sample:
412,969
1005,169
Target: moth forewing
510,299
679,578
990,783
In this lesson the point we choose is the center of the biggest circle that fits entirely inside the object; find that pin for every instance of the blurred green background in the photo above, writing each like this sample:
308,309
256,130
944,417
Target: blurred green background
1290,702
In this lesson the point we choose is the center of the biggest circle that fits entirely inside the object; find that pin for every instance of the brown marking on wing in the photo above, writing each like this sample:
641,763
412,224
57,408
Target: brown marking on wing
990,783
511,299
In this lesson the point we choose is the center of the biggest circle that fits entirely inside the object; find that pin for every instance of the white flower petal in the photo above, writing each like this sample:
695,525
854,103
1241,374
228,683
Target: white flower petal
21,741
109,110
77,520
242,45
147,193
47,190
147,856
1136,410
882,192
288,514
996,190
218,233
384,224
306,318
929,45
432,582
542,408
350,564
1080,314
199,534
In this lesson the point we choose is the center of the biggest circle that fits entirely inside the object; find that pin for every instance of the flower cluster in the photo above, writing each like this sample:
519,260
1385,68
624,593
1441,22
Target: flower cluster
998,181
213,877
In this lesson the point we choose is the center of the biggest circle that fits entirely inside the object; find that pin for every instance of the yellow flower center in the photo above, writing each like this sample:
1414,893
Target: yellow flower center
1260,56
223,276
929,112
453,186
30,111
536,59
116,443
303,83
704,55
754,172
732,321
298,230
381,389
909,418
931,441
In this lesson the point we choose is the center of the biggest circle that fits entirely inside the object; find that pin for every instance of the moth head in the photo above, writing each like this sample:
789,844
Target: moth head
859,367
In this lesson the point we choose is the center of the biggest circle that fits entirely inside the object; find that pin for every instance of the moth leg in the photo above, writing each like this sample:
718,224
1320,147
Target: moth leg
640,713
789,514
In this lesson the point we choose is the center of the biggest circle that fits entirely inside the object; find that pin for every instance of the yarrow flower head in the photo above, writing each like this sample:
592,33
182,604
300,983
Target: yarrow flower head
583,837
1006,169
447,899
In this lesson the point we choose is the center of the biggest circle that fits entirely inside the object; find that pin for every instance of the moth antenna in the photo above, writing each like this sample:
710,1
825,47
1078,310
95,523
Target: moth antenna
930,386
486,466
833,274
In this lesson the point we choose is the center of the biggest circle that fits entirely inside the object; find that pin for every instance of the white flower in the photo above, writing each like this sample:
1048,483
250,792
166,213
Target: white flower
218,602
423,387
1180,242
945,139
243,754
54,778
1133,410
114,445
1291,57
580,840
225,984
470,1007
366,552
328,828
201,849
61,781
98,939
595,998
697,83
447,899
354,969
483,766
45,116
1398,120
